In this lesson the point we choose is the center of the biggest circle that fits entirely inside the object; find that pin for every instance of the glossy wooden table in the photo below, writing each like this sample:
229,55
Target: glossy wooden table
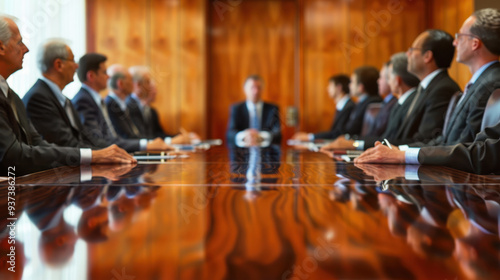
253,214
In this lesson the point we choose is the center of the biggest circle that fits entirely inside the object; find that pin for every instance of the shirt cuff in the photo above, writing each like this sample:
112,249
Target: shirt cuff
85,156
168,140
85,173
143,144
310,136
266,138
411,156
239,136
359,145
403,147
411,172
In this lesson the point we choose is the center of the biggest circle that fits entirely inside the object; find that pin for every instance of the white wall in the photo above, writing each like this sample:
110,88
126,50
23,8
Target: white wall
39,20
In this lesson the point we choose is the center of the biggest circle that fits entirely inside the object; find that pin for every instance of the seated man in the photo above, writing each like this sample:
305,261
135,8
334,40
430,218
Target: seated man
254,122
22,149
143,115
364,86
93,112
52,113
338,90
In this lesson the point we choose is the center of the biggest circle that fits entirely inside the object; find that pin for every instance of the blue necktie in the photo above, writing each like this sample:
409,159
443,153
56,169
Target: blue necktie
254,120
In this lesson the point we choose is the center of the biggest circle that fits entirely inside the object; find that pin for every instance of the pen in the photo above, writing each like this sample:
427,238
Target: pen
386,142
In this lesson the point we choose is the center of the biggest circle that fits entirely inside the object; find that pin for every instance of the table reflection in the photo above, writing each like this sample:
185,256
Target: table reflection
260,214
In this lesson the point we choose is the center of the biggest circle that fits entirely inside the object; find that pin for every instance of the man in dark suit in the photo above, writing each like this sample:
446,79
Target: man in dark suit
22,149
480,156
254,122
338,90
143,115
403,85
475,50
49,110
382,118
93,112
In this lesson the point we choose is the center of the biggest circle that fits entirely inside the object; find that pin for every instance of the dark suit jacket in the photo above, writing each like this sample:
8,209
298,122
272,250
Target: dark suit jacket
339,122
396,117
23,148
382,118
480,156
94,122
121,120
51,120
151,127
465,121
427,118
239,120
355,122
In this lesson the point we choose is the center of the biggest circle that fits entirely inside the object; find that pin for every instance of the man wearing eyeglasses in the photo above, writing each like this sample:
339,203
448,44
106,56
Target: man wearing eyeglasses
478,45
48,109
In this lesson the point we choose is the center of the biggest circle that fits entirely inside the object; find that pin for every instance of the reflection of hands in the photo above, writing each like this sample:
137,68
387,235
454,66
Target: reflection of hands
381,154
382,172
339,143
158,144
301,136
112,172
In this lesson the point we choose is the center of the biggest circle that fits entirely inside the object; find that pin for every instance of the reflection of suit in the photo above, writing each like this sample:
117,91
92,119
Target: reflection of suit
465,121
339,122
427,117
239,120
51,120
94,122
481,156
268,162
121,120
22,147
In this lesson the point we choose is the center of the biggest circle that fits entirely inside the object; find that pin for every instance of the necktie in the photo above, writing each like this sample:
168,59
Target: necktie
467,87
107,119
135,130
10,97
414,101
254,120
451,107
69,112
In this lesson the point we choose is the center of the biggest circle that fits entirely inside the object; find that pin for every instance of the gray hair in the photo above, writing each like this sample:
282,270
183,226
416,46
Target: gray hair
399,63
138,72
115,72
5,32
49,52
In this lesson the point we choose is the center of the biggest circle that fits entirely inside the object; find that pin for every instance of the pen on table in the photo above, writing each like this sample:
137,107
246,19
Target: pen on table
386,142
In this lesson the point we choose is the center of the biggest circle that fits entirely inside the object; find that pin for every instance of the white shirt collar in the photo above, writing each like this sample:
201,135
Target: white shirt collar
405,96
121,103
94,94
4,86
362,97
56,90
251,105
342,102
428,79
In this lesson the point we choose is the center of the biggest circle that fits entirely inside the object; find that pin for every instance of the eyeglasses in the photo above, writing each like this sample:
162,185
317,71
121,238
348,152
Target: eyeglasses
411,49
457,35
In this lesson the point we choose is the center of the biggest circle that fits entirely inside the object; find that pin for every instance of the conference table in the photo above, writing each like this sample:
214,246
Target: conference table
252,213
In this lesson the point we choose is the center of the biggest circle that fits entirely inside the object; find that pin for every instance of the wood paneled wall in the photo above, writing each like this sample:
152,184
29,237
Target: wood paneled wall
169,37
201,51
